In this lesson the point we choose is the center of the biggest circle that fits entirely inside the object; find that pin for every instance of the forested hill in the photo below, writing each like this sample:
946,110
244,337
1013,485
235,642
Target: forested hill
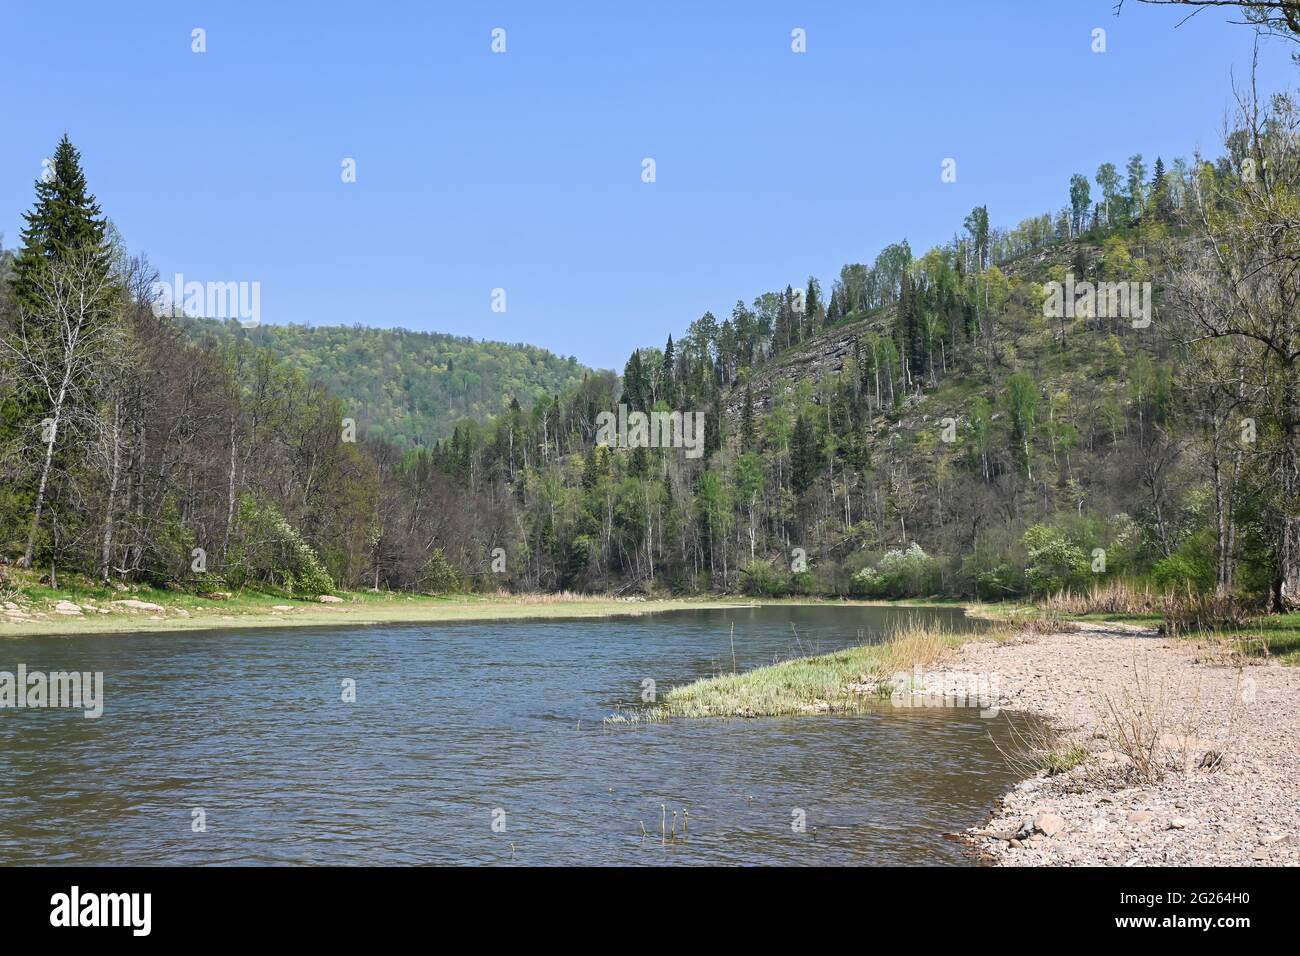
941,442
949,423
408,388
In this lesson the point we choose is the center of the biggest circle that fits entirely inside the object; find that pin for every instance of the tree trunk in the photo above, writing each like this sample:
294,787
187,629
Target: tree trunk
106,555
230,495
1286,583
45,477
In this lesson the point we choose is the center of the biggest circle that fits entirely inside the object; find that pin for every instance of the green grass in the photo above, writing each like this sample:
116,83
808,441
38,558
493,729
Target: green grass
241,602
1065,759
798,686
1282,637
843,682
1276,636
1273,635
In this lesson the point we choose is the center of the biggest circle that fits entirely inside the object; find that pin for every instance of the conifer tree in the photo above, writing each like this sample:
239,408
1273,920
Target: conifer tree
812,307
805,455
666,367
66,219
64,329
635,386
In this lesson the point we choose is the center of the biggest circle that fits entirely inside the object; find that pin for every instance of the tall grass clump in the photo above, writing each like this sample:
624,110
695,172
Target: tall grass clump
1035,621
1107,597
1198,612
541,598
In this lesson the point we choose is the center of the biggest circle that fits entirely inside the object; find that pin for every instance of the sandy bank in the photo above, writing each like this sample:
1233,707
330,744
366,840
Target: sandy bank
103,617
1227,748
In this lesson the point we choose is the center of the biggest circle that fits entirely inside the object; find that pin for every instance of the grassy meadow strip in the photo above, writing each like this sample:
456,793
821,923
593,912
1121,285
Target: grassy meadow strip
842,682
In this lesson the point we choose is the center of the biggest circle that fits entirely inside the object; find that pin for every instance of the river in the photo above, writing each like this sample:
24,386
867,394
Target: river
479,743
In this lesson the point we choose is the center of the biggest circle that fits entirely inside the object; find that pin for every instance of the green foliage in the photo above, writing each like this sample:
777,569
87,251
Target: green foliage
805,453
996,584
408,388
438,576
1021,402
1054,561
802,583
826,442
269,551
65,221
760,579
171,557
1190,566
900,574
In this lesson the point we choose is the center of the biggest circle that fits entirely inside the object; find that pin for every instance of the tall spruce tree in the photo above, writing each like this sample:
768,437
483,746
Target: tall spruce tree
635,386
668,389
805,454
812,307
65,220
65,233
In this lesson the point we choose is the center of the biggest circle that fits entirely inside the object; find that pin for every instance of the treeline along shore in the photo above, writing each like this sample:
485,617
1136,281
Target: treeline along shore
1101,401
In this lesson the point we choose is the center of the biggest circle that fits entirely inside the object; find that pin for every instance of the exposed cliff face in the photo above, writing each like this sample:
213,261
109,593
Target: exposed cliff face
822,355
826,353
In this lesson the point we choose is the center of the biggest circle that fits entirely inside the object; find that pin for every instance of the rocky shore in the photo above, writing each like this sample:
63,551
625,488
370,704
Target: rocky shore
1165,752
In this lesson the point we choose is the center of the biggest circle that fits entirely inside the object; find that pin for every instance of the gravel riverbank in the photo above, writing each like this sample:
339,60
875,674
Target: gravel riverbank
1224,738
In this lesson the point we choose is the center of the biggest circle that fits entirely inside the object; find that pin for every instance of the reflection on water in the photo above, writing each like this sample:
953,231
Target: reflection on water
455,721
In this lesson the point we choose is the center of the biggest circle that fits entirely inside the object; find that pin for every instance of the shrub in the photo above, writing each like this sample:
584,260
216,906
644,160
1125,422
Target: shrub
802,583
1055,562
995,584
760,579
438,576
268,550
1191,566
899,574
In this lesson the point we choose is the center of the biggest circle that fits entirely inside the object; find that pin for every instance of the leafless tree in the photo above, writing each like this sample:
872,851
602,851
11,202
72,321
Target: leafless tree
61,347
1280,18
1236,292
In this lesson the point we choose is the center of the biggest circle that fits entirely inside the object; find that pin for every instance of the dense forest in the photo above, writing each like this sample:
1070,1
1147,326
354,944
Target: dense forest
926,425
407,388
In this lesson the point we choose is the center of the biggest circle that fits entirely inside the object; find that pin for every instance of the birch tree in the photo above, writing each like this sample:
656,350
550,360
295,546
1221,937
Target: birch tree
62,341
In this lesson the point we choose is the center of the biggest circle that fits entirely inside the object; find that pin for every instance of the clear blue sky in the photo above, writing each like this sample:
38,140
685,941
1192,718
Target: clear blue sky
523,170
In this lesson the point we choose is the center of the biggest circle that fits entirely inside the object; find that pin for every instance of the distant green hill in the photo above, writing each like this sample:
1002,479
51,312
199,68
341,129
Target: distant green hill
409,388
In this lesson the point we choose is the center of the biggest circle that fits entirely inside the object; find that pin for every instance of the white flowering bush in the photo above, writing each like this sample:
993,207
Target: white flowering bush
899,574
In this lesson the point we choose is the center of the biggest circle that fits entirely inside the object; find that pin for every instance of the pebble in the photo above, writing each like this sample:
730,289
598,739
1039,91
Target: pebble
134,605
1049,824
1242,808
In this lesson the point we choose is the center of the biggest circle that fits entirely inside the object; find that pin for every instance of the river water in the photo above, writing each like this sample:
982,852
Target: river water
479,743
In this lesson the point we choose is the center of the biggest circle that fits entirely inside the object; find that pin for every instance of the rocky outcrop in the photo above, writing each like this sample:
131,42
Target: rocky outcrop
814,360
